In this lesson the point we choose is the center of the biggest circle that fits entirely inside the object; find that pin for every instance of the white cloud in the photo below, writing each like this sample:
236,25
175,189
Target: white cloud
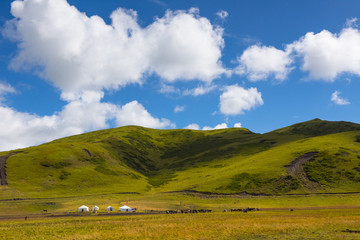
338,100
22,129
5,88
54,36
179,109
352,22
219,126
168,89
133,113
326,55
235,100
237,125
222,14
193,126
260,62
186,46
200,90
19,129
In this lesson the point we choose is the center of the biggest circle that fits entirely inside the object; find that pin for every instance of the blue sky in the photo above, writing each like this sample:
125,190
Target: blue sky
68,67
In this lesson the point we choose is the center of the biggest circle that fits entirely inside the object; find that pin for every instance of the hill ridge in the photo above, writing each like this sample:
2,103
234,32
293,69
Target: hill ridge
137,159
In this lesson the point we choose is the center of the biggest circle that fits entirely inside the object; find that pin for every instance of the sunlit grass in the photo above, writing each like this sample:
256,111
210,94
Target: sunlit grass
136,159
305,224
174,201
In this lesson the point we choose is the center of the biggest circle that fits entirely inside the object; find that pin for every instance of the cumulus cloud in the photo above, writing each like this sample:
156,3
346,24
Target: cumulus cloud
338,100
326,55
260,62
235,100
219,126
133,113
222,14
53,36
193,126
179,109
186,46
237,125
19,129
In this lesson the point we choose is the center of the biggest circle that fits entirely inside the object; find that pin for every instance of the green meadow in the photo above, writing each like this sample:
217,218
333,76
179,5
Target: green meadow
147,161
311,167
299,224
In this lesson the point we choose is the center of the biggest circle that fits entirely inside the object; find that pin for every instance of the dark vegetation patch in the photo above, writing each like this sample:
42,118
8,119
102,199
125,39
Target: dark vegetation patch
104,170
161,179
201,149
357,138
132,153
256,183
217,166
133,175
357,168
64,175
287,184
327,168
170,151
96,160
215,146
56,165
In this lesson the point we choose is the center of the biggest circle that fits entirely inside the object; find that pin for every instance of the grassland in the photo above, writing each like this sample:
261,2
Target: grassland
148,161
299,224
175,201
185,169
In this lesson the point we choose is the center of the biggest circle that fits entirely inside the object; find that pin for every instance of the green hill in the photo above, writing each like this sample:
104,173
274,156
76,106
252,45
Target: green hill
310,157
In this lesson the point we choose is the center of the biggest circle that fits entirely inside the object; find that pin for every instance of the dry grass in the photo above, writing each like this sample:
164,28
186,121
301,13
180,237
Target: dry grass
305,224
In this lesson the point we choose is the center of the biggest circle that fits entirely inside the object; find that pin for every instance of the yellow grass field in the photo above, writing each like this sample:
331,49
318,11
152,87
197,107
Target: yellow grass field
274,224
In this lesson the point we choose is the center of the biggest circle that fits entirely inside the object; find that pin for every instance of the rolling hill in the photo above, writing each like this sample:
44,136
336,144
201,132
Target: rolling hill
310,157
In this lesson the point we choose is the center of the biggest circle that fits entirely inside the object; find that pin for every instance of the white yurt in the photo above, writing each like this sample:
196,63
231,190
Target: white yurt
83,208
127,209
95,209
110,208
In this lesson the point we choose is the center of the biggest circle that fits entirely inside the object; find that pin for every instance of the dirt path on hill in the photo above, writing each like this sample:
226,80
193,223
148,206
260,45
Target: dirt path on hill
3,159
296,169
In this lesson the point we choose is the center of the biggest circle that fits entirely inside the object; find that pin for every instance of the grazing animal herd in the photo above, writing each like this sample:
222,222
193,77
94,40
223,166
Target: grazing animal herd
189,211
245,210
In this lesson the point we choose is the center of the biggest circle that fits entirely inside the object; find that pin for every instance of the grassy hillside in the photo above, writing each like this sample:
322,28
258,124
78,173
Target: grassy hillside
311,157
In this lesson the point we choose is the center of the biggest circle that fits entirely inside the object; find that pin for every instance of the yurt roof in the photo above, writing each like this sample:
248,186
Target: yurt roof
125,207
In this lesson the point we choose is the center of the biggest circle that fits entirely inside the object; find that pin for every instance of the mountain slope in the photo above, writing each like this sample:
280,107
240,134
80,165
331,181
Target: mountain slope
318,127
314,156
